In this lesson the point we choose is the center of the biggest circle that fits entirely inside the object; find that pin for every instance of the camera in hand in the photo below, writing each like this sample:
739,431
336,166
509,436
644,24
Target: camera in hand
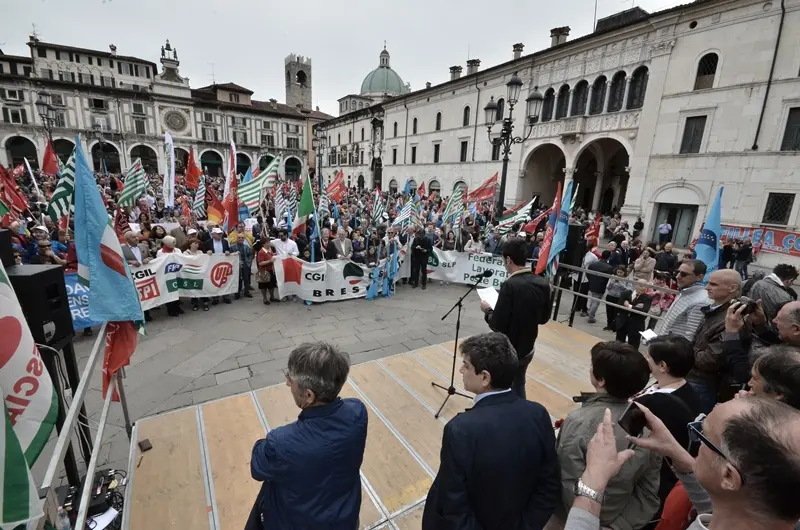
633,420
750,305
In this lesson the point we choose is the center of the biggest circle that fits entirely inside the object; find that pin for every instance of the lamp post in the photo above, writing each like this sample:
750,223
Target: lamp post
507,138
319,143
47,113
97,132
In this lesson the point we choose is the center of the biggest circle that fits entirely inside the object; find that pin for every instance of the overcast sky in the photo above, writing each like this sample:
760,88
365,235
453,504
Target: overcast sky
246,41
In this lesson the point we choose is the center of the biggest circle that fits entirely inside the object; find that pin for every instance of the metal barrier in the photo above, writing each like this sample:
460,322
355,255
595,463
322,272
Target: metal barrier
46,490
563,274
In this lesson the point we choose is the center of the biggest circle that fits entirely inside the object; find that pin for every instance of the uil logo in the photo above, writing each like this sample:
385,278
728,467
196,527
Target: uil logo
220,274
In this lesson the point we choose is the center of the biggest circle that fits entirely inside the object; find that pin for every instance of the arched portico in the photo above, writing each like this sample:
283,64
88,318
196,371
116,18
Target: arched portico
105,154
543,169
601,173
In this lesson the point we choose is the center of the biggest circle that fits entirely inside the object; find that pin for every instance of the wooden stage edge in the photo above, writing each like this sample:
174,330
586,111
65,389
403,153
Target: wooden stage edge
197,475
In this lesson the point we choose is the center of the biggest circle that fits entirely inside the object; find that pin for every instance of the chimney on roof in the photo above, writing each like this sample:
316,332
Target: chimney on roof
473,65
273,103
317,108
428,84
518,47
455,72
559,35
113,49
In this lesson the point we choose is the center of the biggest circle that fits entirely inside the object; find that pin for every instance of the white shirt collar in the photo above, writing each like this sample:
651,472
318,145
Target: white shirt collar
479,397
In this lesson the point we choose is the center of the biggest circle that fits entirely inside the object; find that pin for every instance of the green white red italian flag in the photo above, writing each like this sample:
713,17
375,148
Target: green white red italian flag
305,209
30,406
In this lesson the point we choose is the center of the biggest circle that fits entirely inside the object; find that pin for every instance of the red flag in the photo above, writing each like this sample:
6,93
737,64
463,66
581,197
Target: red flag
232,205
18,171
336,189
531,226
421,191
192,173
544,253
485,191
187,213
120,185
214,209
49,161
121,223
120,343
593,232
10,192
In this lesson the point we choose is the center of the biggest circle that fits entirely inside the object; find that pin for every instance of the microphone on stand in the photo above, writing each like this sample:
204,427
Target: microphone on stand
485,274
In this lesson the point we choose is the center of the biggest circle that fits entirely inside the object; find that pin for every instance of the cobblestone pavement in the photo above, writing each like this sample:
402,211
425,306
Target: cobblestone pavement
201,356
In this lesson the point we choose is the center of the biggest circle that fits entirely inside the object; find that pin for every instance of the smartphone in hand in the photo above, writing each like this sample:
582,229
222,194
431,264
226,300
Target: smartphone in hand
633,420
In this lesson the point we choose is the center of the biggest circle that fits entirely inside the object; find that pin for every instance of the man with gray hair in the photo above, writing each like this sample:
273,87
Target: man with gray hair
310,468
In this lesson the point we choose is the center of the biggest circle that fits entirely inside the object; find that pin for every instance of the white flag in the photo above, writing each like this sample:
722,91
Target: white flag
231,171
169,171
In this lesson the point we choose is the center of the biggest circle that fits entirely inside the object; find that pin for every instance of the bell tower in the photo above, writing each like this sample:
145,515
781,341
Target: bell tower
298,81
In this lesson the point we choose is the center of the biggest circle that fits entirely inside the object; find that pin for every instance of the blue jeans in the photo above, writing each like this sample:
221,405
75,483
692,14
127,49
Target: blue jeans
706,394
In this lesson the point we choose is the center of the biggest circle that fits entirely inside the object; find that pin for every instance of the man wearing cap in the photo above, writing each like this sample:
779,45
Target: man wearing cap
39,234
218,245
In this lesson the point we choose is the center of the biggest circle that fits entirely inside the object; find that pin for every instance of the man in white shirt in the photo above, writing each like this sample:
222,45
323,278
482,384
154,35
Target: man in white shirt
284,245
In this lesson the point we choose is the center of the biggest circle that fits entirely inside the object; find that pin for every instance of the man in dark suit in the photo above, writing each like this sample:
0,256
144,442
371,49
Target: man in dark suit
421,248
523,303
499,468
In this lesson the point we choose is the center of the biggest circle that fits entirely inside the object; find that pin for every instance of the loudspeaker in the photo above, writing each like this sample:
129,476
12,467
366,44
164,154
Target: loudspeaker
43,296
6,250
576,246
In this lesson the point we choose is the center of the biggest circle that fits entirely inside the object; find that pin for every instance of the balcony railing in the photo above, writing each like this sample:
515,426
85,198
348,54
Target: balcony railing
614,121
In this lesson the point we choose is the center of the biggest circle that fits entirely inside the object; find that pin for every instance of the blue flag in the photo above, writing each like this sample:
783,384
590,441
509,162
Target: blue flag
707,247
336,214
112,294
407,187
248,176
392,268
562,224
374,284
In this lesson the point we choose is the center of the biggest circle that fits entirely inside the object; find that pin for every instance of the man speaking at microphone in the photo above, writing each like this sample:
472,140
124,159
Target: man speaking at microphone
523,303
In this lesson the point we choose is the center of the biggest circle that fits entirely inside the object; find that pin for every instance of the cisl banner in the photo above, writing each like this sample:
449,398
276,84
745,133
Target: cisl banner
165,279
323,281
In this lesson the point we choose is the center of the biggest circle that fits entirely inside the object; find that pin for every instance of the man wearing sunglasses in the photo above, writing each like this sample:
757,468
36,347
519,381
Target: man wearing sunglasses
685,314
747,467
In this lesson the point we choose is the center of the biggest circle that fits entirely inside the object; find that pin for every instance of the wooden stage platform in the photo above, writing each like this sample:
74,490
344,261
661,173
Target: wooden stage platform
197,475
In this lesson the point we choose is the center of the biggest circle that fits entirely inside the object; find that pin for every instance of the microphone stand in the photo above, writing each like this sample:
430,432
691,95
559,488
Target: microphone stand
451,390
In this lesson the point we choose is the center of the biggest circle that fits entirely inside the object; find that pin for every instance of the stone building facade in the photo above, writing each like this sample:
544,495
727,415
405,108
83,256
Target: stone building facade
133,104
650,114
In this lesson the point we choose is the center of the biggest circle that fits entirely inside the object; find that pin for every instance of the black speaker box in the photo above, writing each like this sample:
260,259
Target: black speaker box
576,246
43,296
6,250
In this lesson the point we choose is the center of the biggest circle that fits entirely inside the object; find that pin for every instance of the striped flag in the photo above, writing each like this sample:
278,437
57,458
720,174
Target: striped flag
520,212
30,407
291,201
280,202
134,184
250,192
454,204
61,201
199,204
408,216
377,208
323,208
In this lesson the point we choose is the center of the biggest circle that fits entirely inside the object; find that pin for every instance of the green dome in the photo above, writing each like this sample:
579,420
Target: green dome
383,80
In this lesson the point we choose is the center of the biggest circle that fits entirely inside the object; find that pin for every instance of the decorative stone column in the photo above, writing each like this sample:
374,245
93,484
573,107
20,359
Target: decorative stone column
608,95
627,91
569,101
588,100
598,190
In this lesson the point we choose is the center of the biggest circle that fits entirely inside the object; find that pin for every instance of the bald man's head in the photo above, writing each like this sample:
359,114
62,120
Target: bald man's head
787,322
724,285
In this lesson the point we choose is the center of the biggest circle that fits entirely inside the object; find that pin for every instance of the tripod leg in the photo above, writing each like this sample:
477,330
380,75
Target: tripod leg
442,407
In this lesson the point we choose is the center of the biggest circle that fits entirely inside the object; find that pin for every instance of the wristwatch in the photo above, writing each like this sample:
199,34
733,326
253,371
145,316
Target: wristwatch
582,490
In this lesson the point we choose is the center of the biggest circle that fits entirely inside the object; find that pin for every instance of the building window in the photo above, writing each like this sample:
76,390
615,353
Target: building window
58,55
208,117
394,130
268,140
617,92
495,151
394,155
413,154
791,135
46,73
57,100
362,134
90,60
136,88
210,134
361,156
638,88
15,116
465,118
414,126
41,52
778,209
240,122
579,96
26,71
77,58
706,71
464,150
234,98
239,137
338,139
61,119
107,82
436,148
693,134
438,121
266,125
12,95
293,143
71,58
501,109
349,137
140,126
547,105
562,107
138,108
98,104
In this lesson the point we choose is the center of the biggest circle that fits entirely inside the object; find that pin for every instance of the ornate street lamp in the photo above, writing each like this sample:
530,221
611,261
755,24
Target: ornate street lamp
507,138
97,132
47,113
319,142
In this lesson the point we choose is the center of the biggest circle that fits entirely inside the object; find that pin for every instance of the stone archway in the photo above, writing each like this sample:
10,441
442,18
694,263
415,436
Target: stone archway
601,173
19,148
106,155
360,181
243,163
211,163
63,149
181,159
148,156
292,168
544,169
264,161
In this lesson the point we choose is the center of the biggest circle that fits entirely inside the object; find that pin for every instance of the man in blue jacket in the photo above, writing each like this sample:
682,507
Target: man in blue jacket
310,468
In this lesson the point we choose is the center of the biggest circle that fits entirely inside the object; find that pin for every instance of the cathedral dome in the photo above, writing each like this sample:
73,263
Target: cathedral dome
383,80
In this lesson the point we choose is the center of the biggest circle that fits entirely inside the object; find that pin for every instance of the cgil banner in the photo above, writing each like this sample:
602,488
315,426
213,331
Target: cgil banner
165,279
333,280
